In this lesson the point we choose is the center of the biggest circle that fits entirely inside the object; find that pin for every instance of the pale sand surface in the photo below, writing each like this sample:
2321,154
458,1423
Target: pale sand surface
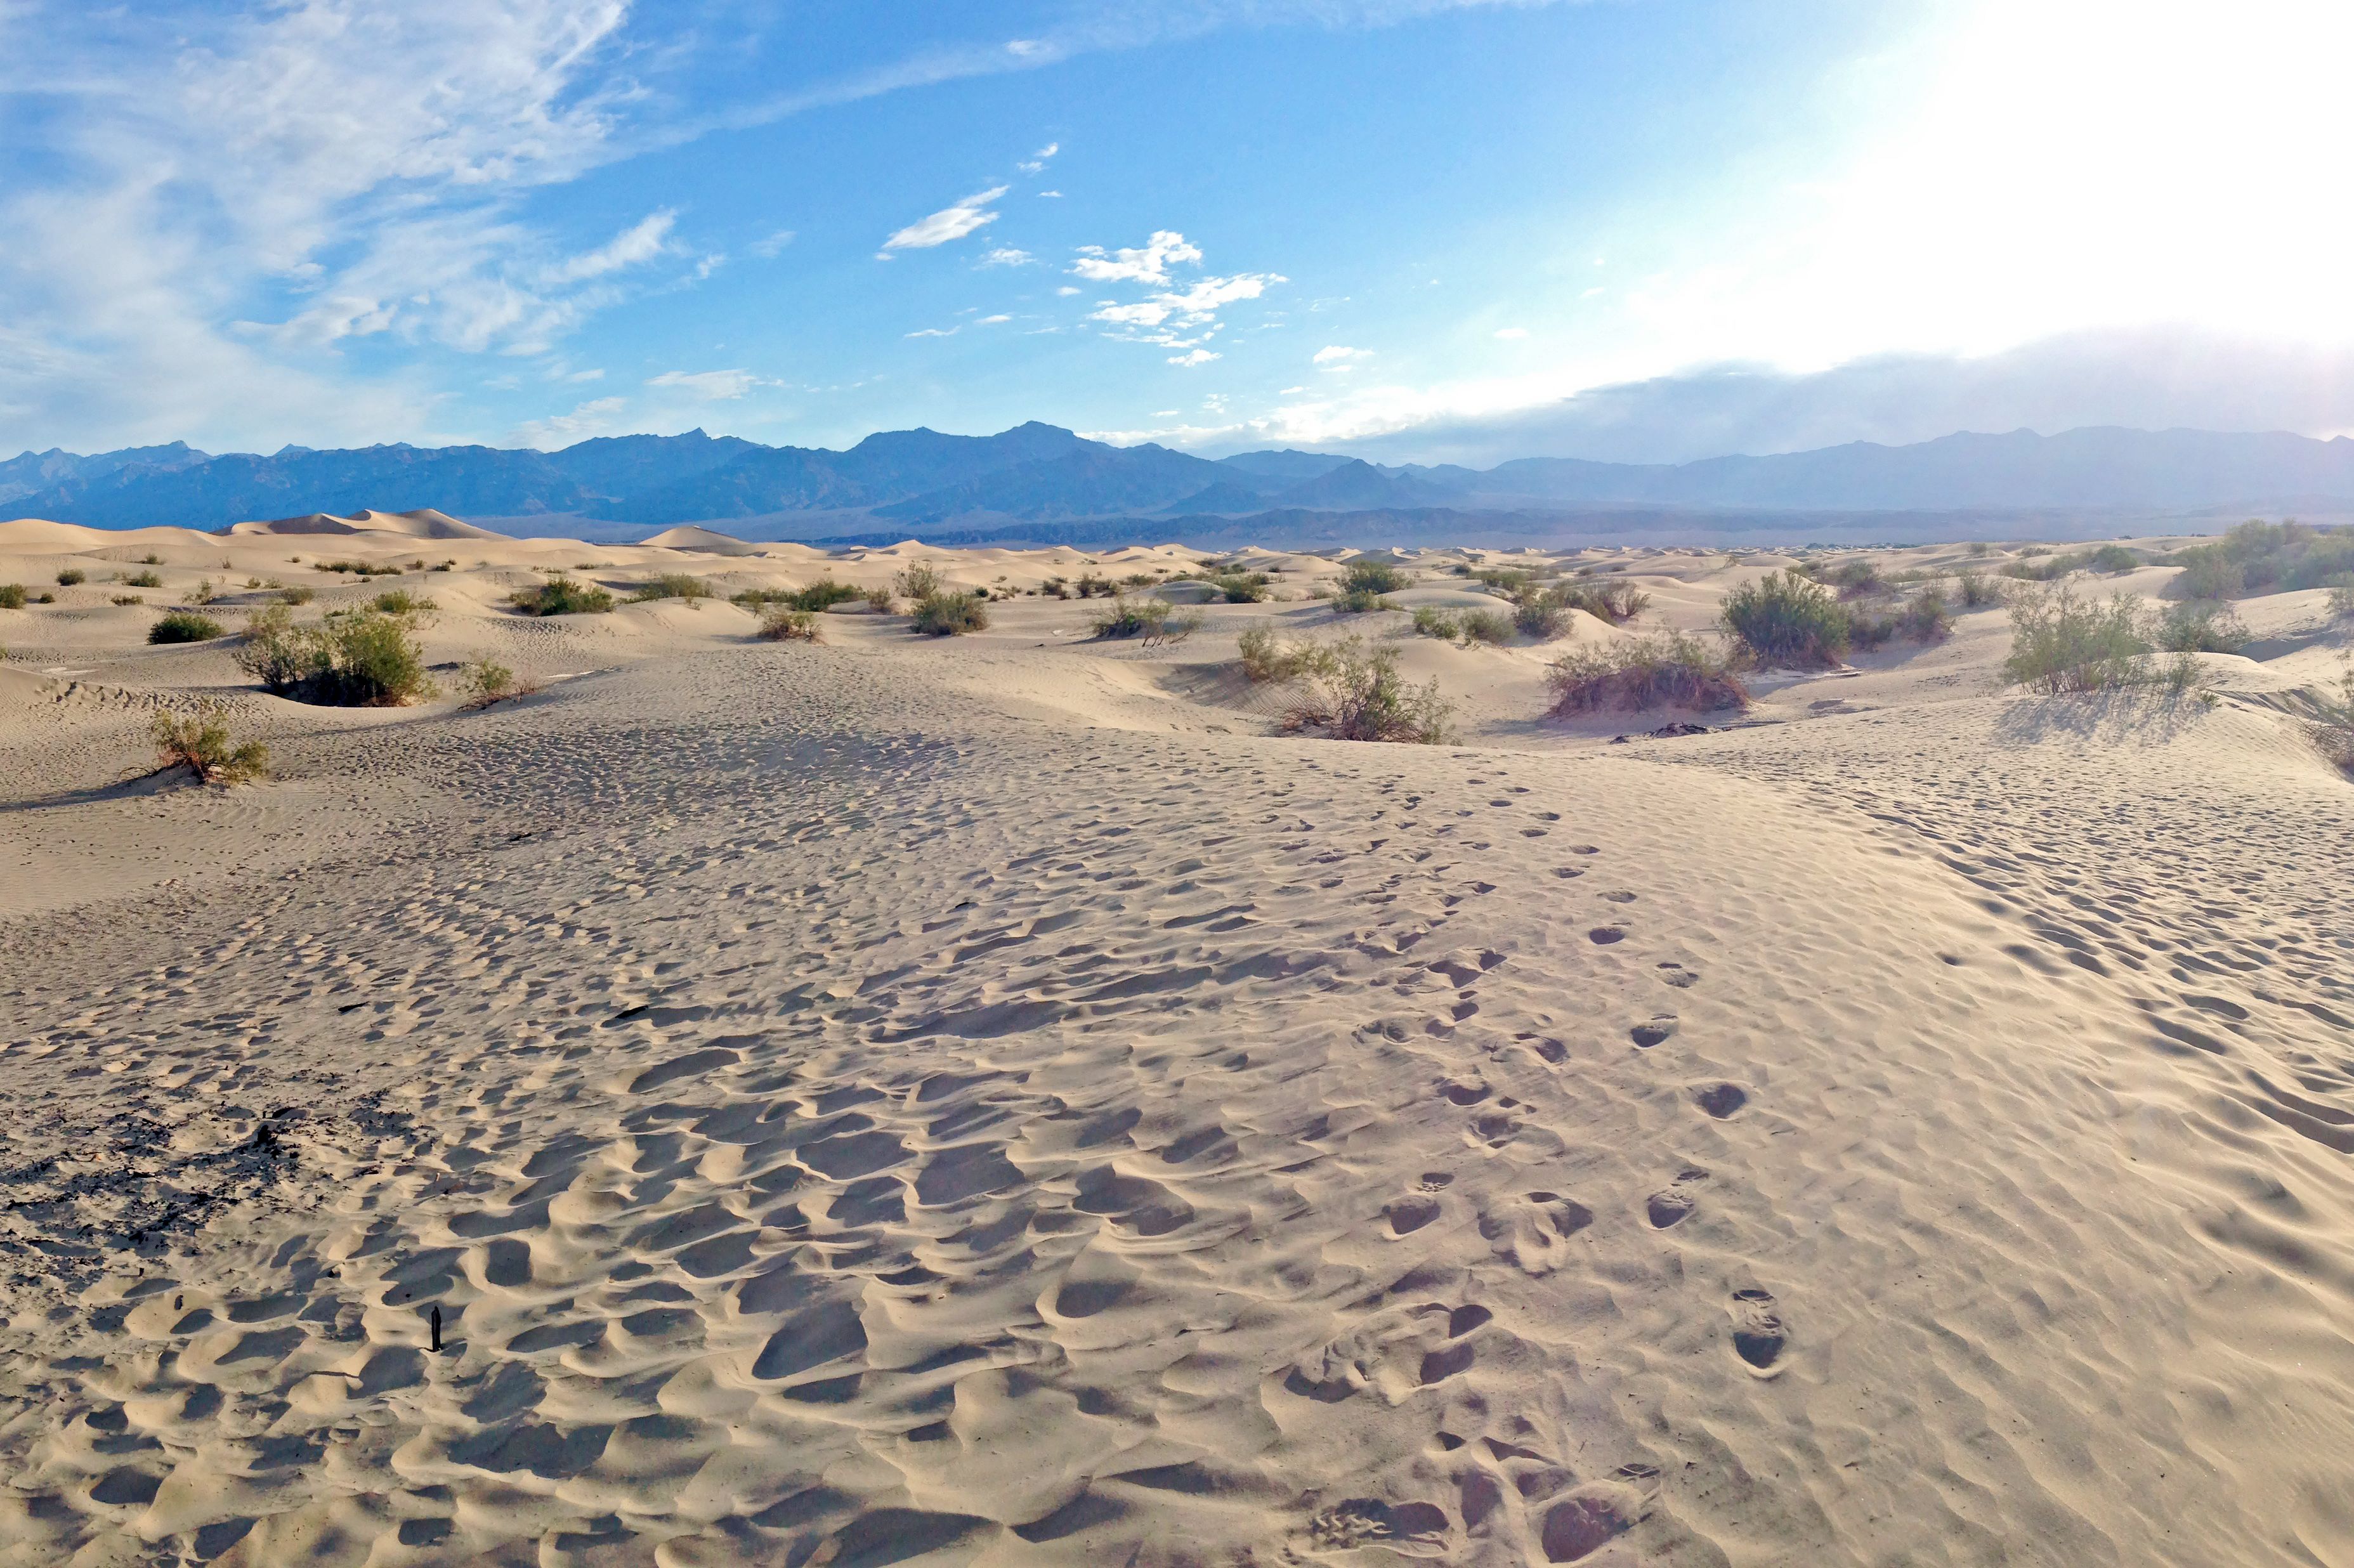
991,1100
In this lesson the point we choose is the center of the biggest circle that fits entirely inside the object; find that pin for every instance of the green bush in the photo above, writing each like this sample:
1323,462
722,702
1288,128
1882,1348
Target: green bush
2196,628
1241,587
400,601
2263,558
1484,626
822,595
1925,617
1265,657
1369,576
783,623
1667,669
200,742
670,585
139,579
367,659
184,626
1353,694
1094,584
1360,601
1976,590
2341,596
941,614
2063,644
920,581
1510,581
297,595
12,596
1431,621
1783,619
1154,619
1616,603
486,682
559,595
129,599
69,577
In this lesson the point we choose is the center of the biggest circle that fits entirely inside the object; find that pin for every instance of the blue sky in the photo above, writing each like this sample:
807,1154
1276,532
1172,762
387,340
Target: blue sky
1416,228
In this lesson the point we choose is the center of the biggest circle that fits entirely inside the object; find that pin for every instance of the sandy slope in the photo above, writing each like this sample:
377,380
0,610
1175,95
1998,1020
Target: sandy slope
989,1101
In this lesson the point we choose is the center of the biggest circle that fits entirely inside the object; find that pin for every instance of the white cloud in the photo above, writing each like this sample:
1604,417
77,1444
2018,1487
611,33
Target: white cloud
585,375
1198,356
642,242
1511,334
991,321
948,223
1335,354
1066,291
1050,192
709,386
769,247
562,430
1148,264
933,332
1036,163
1006,256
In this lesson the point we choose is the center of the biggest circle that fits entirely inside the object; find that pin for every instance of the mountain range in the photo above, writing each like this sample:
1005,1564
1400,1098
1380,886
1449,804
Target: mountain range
1024,480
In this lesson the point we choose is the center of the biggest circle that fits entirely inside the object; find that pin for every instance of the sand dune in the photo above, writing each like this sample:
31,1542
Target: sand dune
422,523
991,1100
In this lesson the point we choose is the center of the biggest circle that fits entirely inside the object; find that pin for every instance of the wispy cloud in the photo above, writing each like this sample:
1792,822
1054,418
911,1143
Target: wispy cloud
709,386
1198,356
949,223
1336,353
1006,256
639,243
562,430
769,247
1171,317
1148,263
1036,163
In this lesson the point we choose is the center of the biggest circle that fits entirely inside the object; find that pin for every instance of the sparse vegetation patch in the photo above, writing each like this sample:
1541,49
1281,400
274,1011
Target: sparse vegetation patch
1350,693
364,660
70,576
784,623
1786,618
184,626
1667,669
560,595
201,743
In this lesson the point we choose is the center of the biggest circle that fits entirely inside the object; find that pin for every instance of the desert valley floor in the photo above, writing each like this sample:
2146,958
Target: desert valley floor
996,1100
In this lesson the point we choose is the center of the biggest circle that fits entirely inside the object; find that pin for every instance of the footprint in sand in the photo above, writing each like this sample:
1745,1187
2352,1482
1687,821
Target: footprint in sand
1671,1204
1758,1336
1676,975
1721,1100
1603,936
1407,1215
1650,1034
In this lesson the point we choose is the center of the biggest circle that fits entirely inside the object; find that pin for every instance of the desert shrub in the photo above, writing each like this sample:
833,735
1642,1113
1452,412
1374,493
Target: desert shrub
203,592
1925,617
12,596
184,626
2335,733
1241,587
878,599
783,623
298,594
822,595
920,581
2202,628
200,742
1351,694
1484,626
1541,615
400,601
2060,643
1094,584
1783,619
70,576
45,598
1616,603
1360,601
1154,619
139,579
151,560
670,585
1267,658
486,682
1667,669
1850,577
1057,588
1867,630
2341,596
1431,621
1367,575
129,599
2263,558
2112,558
1976,590
366,660
941,614
560,595
1510,581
